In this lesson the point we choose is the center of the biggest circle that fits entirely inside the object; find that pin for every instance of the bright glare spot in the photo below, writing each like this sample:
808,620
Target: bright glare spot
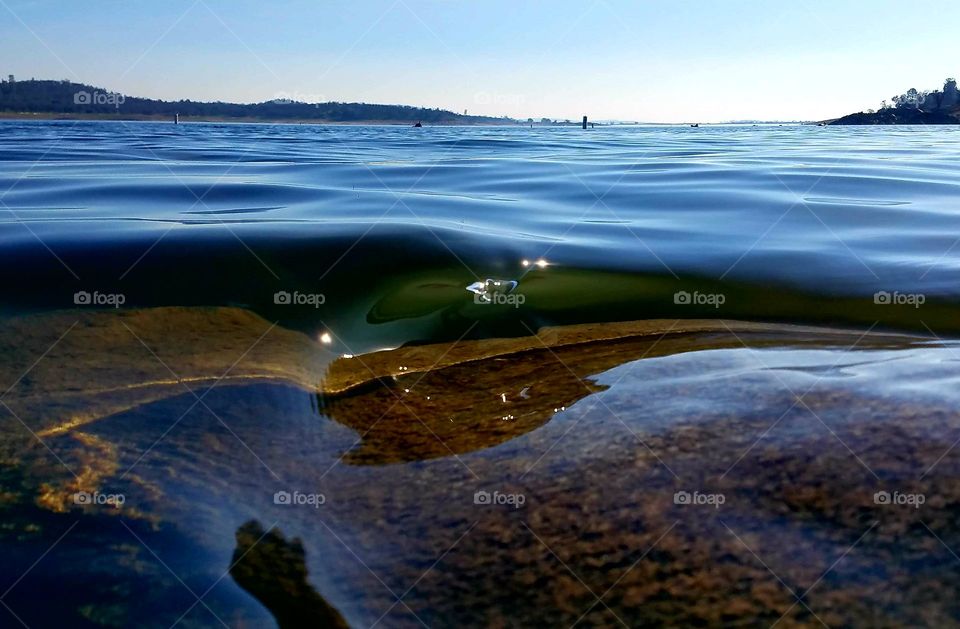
525,263
542,263
503,396
325,338
348,355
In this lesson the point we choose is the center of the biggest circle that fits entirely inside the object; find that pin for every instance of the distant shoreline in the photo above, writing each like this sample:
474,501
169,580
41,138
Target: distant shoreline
66,100
8,115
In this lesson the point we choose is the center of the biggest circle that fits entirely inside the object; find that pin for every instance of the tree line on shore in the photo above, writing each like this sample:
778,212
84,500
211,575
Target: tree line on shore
69,98
937,107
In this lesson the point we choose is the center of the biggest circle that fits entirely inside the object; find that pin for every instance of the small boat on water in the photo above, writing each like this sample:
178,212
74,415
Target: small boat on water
418,124
695,125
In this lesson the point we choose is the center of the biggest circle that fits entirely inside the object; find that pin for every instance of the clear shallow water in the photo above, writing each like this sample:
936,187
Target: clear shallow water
228,214
598,482
390,224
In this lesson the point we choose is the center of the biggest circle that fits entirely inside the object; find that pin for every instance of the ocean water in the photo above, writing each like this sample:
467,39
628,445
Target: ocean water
787,222
176,299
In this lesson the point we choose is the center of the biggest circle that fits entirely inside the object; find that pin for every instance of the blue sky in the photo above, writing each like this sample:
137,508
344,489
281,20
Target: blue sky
628,59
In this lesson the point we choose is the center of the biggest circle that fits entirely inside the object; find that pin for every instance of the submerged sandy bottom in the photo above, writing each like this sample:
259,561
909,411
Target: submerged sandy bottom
678,474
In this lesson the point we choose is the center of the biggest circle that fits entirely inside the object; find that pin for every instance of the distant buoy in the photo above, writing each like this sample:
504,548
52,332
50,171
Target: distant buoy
176,118
418,124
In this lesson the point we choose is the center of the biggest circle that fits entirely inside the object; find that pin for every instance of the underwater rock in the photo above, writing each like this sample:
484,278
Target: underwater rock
274,571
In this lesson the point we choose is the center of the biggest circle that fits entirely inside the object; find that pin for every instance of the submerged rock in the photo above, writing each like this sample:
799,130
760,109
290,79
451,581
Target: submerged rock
274,571
788,424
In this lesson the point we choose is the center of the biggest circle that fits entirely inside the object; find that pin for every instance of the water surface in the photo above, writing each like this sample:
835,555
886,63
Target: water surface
785,220
177,299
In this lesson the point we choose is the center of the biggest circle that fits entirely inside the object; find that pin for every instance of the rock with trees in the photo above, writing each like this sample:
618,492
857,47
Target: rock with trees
913,107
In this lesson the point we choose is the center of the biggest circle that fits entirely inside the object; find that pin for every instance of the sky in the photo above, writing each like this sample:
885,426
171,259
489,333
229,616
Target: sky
644,60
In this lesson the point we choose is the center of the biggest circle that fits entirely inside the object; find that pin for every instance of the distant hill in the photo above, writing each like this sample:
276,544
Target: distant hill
912,107
65,99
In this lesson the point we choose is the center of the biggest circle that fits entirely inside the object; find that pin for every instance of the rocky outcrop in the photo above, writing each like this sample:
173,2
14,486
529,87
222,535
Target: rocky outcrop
899,116
913,107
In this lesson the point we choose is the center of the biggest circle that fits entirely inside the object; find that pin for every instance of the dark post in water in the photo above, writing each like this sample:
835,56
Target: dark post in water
584,122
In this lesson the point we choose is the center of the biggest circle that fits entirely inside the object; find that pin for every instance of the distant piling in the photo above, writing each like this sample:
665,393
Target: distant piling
584,122
176,118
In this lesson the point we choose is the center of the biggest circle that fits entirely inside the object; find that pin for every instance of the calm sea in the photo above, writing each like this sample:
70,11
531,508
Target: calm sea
796,223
